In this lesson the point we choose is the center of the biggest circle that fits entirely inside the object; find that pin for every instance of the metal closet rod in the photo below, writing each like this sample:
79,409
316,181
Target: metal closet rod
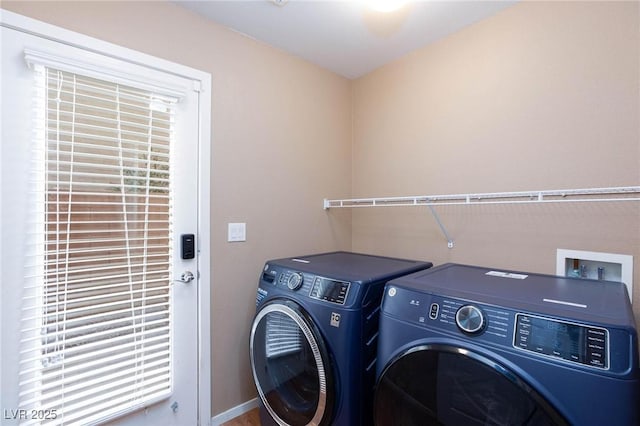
621,193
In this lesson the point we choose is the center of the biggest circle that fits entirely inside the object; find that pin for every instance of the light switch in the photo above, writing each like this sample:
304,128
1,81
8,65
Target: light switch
237,232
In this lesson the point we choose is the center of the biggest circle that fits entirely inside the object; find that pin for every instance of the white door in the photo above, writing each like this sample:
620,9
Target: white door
99,182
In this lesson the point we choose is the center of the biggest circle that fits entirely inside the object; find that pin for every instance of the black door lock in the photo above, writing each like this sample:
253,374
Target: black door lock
188,245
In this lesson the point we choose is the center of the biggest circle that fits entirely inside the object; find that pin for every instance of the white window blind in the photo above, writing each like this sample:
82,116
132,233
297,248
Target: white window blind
96,329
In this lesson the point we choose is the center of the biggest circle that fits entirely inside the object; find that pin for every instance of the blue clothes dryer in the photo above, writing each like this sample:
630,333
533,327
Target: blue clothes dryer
464,345
314,336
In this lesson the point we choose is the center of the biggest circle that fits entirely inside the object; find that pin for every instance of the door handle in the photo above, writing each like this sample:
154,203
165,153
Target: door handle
186,277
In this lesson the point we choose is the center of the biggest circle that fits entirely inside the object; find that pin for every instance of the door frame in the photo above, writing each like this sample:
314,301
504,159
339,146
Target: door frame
202,85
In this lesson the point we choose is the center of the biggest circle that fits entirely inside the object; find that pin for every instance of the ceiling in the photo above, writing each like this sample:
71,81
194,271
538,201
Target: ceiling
346,37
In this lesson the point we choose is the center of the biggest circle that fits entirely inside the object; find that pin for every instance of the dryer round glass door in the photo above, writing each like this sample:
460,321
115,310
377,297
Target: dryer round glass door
446,385
290,365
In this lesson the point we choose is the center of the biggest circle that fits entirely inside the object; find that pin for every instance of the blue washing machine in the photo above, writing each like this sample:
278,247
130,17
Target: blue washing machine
314,336
464,345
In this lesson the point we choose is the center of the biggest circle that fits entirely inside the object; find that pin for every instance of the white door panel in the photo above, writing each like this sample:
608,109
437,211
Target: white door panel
16,208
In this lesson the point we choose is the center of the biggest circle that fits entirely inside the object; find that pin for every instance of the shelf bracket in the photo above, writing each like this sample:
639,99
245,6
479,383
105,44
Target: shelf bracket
442,228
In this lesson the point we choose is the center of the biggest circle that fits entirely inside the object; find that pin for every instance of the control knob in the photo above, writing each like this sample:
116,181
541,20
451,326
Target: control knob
470,319
295,281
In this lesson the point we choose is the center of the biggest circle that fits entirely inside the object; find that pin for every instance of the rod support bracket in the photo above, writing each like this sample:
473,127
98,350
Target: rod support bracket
442,228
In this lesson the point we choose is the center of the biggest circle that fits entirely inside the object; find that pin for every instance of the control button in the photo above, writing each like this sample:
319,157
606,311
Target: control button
295,281
596,363
470,319
433,311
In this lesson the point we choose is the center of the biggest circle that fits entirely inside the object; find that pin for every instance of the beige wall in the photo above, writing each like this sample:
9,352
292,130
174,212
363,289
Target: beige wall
544,95
281,143
541,96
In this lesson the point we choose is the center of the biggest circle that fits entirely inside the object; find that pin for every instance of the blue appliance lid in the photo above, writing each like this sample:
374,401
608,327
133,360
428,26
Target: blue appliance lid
577,298
350,266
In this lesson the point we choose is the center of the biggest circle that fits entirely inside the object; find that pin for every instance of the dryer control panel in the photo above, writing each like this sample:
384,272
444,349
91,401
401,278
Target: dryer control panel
315,286
330,290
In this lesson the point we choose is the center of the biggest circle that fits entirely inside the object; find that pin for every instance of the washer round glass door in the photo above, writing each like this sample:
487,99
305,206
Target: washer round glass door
445,385
290,365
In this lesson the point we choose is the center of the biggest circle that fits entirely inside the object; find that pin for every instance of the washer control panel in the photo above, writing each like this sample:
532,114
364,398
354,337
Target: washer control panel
557,339
474,320
470,319
560,339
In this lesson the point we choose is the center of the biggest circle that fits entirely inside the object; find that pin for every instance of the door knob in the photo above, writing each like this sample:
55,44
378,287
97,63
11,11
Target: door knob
186,277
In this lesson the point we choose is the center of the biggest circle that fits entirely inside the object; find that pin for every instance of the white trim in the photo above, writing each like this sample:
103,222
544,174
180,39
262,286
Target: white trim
2,320
103,68
51,32
234,412
204,250
202,81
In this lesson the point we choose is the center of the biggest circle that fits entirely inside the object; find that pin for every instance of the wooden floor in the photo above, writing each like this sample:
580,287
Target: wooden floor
251,418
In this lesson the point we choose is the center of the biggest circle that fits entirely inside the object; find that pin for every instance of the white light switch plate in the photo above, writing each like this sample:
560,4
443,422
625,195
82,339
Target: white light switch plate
237,232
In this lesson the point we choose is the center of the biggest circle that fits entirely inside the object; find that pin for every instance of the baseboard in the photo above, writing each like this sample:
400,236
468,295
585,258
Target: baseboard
234,412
